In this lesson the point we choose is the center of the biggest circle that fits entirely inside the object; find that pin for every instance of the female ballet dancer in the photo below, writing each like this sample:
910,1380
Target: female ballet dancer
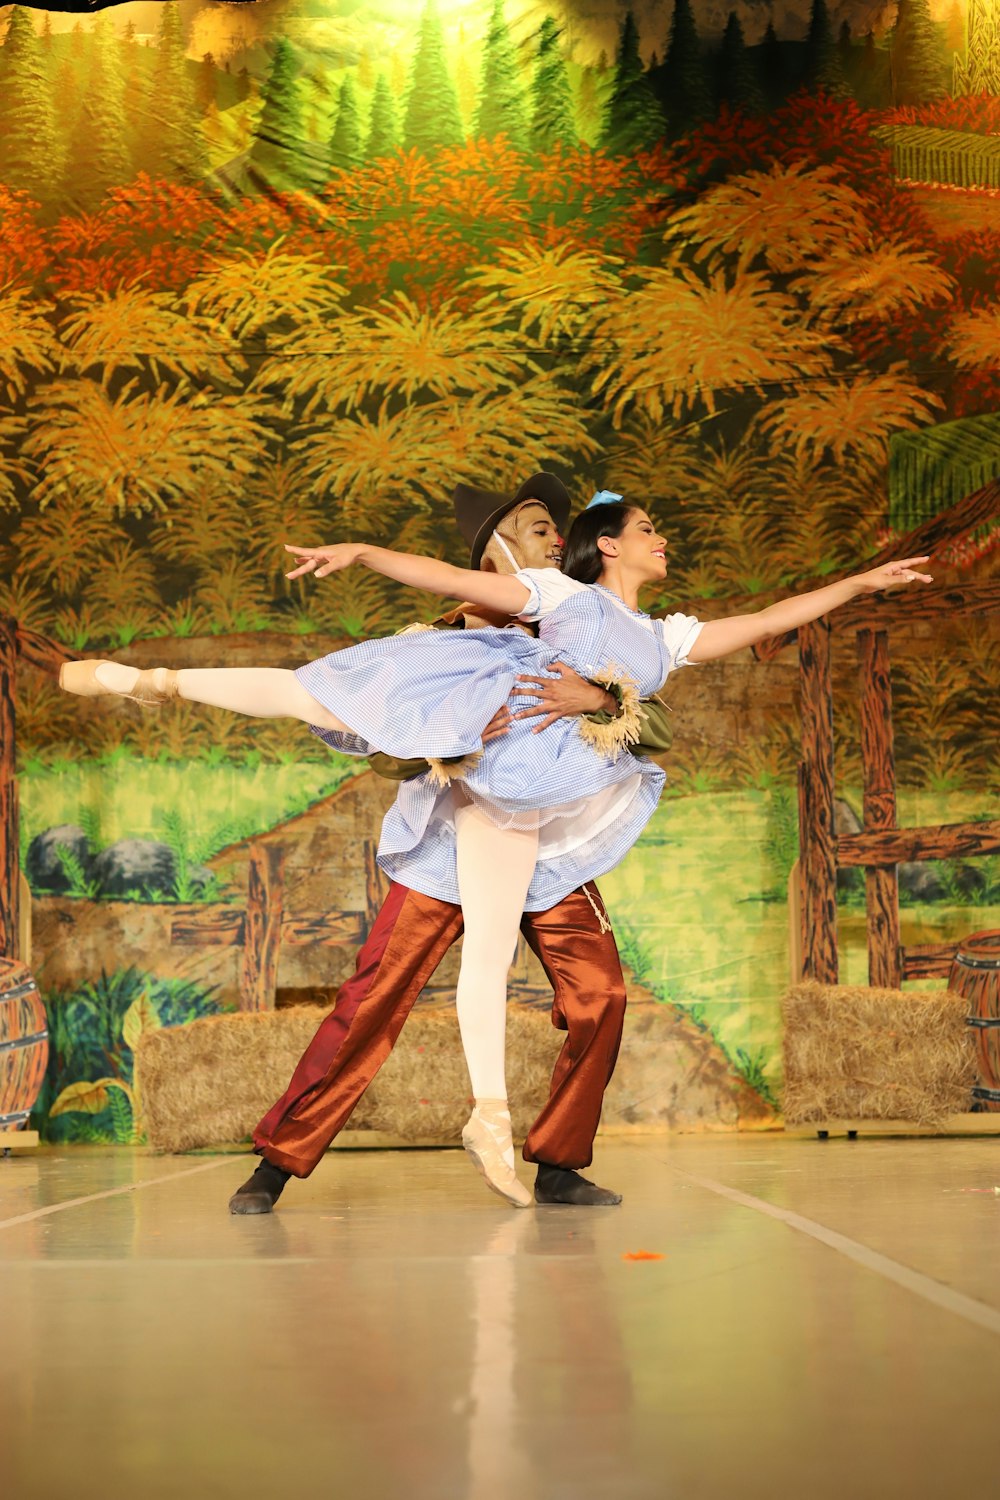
518,823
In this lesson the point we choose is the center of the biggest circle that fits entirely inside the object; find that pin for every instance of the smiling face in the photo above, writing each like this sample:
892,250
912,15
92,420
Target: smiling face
532,536
638,549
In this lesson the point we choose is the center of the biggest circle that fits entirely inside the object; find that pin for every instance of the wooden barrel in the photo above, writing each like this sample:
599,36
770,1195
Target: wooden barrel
24,1044
975,974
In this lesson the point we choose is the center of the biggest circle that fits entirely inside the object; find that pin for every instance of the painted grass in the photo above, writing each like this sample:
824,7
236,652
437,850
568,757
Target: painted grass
696,913
216,805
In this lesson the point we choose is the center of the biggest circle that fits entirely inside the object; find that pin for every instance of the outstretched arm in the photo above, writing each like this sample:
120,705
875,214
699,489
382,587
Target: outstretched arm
723,637
493,590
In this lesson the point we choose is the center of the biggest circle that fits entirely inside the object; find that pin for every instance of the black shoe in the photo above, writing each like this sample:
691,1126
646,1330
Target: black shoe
561,1185
259,1193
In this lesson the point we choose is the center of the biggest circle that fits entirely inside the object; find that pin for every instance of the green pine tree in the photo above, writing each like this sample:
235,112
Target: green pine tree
171,143
589,110
279,152
205,85
633,118
432,115
383,130
345,142
551,97
47,32
917,56
99,156
737,73
823,66
771,67
682,82
29,153
501,104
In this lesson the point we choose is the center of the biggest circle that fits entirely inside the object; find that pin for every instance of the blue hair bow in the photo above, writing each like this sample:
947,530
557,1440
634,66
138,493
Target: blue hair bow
604,497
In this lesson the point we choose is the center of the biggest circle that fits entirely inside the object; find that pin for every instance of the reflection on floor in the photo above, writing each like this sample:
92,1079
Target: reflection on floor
824,1321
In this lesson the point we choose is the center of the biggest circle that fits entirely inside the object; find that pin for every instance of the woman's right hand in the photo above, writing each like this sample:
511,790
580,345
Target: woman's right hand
323,560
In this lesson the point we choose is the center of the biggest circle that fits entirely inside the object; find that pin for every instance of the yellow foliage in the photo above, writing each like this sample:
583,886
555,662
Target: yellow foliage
974,340
87,1097
248,292
26,341
677,338
140,1017
396,348
855,415
13,471
879,282
142,450
59,545
426,448
789,216
132,329
554,289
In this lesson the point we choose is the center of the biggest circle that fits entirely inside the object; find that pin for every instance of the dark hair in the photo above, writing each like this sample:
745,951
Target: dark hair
582,557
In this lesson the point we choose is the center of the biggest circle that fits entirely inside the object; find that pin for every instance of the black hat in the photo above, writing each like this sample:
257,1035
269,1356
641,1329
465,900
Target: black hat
479,512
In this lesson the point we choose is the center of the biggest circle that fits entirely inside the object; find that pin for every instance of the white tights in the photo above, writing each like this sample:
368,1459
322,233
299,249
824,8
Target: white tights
495,865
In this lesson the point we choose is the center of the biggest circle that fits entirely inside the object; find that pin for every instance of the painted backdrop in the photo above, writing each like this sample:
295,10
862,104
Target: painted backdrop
291,269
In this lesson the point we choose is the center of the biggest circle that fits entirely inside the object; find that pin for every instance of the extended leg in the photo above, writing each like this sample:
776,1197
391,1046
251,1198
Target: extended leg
259,692
577,950
495,866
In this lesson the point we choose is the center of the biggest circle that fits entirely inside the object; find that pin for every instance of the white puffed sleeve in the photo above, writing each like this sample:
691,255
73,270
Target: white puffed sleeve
679,633
547,588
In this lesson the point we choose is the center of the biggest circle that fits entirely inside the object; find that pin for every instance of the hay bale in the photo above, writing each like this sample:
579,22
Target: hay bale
209,1082
855,1053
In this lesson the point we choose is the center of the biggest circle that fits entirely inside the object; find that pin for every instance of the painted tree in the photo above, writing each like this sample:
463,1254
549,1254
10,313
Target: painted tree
737,72
771,67
383,128
823,67
551,98
917,60
465,80
682,82
501,102
345,142
432,115
47,33
589,112
99,157
171,143
29,157
205,86
632,117
279,149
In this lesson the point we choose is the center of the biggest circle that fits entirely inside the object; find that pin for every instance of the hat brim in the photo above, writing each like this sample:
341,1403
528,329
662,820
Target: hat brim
547,489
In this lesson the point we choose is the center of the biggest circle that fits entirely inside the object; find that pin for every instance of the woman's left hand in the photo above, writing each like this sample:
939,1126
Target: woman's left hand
323,560
894,575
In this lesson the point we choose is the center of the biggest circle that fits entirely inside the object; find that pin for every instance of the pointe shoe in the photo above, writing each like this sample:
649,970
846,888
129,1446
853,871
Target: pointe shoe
150,689
486,1136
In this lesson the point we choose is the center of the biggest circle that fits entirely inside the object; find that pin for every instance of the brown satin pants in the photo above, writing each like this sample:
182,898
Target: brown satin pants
410,936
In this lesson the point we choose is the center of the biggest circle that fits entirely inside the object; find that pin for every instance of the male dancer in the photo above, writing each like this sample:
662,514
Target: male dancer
412,932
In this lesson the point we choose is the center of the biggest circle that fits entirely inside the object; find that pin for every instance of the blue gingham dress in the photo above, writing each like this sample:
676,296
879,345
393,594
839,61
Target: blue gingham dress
433,692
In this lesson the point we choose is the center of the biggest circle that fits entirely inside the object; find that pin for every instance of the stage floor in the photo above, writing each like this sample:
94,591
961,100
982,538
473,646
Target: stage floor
824,1321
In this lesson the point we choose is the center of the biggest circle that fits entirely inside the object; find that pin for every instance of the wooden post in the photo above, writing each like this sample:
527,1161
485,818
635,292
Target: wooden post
376,886
816,813
881,881
10,896
262,930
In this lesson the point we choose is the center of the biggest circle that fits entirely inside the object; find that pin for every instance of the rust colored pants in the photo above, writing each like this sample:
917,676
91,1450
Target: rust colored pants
410,937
